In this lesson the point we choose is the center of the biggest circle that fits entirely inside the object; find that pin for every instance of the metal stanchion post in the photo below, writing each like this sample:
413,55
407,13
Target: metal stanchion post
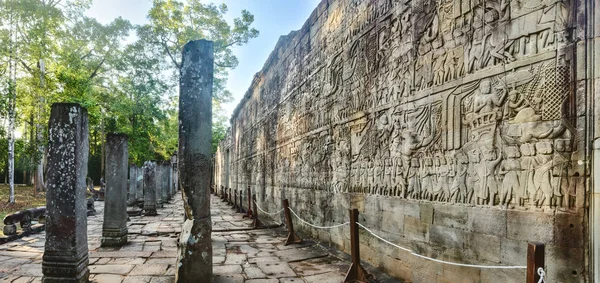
356,273
249,213
256,223
535,260
235,198
241,207
292,237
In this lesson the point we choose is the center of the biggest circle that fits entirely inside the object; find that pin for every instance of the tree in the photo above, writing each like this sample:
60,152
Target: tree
173,23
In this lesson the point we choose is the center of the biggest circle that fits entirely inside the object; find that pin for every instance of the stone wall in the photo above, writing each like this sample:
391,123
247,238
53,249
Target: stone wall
458,128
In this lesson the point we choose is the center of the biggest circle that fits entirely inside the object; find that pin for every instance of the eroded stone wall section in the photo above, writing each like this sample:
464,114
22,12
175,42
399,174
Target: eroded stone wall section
456,127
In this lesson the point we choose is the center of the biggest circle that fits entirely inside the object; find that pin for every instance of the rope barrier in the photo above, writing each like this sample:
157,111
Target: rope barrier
315,226
268,213
442,261
542,275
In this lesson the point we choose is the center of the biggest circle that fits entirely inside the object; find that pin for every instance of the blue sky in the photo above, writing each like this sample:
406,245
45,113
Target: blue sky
272,18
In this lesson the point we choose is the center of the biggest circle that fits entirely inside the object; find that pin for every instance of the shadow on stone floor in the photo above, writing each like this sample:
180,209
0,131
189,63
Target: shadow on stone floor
240,254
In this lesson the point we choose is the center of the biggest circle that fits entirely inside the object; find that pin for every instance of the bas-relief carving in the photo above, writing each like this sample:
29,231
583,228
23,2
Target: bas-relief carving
411,106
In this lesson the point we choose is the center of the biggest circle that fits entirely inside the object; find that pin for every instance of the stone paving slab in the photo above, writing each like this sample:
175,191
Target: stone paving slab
240,253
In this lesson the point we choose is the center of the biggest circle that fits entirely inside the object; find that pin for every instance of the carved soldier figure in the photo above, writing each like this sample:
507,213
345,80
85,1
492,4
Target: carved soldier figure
511,169
473,180
528,164
543,173
388,171
414,185
425,173
487,177
437,189
399,180
458,190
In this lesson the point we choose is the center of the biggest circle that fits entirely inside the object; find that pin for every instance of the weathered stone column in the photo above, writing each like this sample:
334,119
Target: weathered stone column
175,173
66,250
194,260
158,185
114,227
132,184
139,184
150,188
164,166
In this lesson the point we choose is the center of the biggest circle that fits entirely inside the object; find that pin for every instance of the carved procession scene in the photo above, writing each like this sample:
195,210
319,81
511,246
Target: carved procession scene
467,102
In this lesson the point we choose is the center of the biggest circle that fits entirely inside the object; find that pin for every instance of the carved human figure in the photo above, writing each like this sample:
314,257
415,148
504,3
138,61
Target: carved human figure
388,175
378,175
511,169
487,177
437,186
528,164
563,188
486,101
414,184
425,173
438,69
370,175
542,176
363,174
445,174
458,190
399,179
473,179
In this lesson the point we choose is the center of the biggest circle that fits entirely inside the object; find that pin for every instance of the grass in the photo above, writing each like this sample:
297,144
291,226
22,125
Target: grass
24,199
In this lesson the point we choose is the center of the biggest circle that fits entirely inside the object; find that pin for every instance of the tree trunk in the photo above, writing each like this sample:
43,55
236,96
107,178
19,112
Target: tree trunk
12,90
102,135
38,177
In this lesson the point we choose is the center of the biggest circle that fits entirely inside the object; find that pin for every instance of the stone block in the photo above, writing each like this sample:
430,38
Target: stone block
149,269
530,226
485,247
122,269
452,273
414,229
426,213
452,216
513,252
568,230
489,275
276,269
562,264
226,269
487,221
392,222
446,237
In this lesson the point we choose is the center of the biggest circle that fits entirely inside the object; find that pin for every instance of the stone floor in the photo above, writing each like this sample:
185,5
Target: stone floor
240,254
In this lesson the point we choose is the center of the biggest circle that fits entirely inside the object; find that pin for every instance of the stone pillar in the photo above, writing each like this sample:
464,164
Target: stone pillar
66,250
195,122
158,185
132,184
139,184
171,185
114,227
150,188
164,166
175,173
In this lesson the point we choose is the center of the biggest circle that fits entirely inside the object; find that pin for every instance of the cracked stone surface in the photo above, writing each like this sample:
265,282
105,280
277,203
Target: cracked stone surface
247,255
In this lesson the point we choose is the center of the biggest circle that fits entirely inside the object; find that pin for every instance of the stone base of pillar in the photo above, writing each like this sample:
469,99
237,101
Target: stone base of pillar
114,237
63,268
194,259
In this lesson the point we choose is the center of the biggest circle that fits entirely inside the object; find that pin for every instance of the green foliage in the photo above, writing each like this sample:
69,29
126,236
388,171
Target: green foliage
64,56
